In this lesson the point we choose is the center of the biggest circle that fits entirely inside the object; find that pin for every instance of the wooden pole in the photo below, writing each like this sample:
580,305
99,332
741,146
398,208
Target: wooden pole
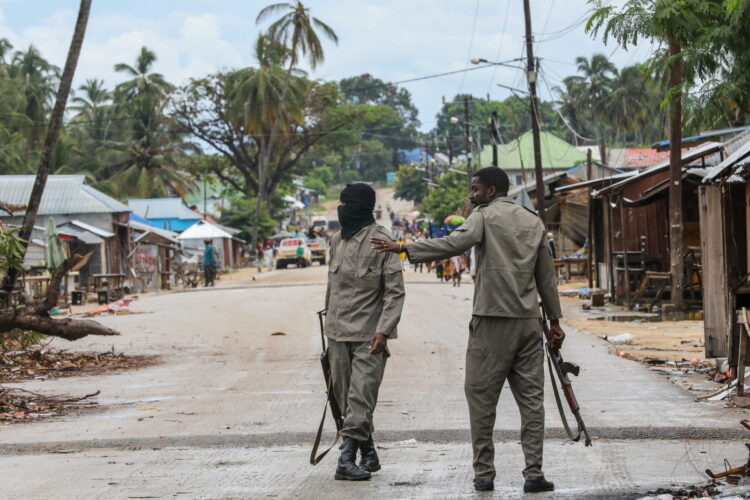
589,236
677,264
531,78
467,138
624,235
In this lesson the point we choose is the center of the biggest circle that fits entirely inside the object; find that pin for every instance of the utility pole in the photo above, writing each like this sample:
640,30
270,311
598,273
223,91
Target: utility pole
531,77
467,138
590,219
677,267
494,137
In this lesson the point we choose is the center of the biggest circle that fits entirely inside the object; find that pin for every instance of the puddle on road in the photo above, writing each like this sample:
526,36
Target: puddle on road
649,318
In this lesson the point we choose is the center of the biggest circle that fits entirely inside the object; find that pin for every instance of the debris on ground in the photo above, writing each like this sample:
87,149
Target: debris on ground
42,363
623,338
730,482
19,405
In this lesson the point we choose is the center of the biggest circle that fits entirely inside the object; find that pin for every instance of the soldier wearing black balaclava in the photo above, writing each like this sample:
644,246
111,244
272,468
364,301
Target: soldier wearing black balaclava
364,298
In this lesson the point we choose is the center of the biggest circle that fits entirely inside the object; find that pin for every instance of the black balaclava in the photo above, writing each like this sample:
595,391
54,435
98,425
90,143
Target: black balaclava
356,213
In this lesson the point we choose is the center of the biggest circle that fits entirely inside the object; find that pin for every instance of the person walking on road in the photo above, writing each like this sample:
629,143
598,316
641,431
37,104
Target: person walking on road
364,298
209,263
514,264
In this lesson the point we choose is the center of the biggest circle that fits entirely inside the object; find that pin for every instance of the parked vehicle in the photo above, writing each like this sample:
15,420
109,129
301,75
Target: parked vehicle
319,250
287,253
334,226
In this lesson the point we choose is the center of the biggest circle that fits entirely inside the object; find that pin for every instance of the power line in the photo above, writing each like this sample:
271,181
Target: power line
471,44
500,46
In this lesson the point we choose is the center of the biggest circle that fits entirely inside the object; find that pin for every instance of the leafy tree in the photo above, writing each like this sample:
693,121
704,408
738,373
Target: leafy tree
446,199
151,141
685,27
410,184
240,215
297,31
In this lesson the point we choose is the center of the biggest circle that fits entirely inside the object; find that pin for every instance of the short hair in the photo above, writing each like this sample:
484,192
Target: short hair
493,176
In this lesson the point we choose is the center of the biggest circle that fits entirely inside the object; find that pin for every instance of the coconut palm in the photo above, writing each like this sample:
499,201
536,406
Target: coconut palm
296,30
144,160
144,82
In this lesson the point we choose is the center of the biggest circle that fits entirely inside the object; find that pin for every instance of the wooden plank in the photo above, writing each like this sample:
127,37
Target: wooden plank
717,318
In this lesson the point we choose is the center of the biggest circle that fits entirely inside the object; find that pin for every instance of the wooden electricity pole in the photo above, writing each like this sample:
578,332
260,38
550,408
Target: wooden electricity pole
467,137
677,266
531,77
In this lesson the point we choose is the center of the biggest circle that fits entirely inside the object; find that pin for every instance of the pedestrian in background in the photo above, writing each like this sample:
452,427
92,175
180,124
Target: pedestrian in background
209,263
364,298
514,263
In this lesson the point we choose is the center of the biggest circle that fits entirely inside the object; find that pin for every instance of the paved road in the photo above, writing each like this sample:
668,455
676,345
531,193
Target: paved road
231,409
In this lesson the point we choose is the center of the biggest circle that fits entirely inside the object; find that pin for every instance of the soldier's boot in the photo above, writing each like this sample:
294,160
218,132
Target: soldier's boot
369,461
537,485
348,470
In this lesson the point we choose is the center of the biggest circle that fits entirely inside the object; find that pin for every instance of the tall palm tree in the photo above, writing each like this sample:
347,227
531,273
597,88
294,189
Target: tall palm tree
296,30
146,166
36,80
144,82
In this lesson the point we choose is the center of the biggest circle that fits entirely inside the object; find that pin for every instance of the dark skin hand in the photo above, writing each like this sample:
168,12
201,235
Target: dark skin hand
378,343
556,334
479,194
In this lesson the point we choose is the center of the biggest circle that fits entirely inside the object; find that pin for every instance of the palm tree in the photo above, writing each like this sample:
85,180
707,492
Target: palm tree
296,30
595,79
146,164
35,79
683,28
55,125
144,83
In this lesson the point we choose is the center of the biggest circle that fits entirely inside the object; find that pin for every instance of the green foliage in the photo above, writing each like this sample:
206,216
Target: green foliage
514,119
447,197
319,179
240,215
410,184
11,249
16,338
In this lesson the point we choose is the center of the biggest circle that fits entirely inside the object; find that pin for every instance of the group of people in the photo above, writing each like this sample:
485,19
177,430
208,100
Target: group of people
365,298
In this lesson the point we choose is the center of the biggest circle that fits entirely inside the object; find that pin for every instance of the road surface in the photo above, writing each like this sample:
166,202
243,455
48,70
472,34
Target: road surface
230,411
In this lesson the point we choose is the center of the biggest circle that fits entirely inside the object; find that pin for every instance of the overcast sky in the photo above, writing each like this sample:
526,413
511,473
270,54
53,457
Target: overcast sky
391,39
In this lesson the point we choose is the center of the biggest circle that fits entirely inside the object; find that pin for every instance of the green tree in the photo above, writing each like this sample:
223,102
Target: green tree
685,27
410,184
150,142
297,31
446,199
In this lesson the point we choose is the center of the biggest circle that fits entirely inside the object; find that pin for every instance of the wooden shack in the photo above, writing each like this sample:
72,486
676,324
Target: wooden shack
725,241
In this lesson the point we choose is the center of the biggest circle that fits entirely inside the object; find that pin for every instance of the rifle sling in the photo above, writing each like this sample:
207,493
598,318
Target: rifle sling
559,402
315,459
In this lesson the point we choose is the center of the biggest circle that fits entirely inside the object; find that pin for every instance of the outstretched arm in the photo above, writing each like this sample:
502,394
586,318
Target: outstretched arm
459,241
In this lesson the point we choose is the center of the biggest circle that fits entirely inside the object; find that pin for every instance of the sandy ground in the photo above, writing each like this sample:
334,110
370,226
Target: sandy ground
654,338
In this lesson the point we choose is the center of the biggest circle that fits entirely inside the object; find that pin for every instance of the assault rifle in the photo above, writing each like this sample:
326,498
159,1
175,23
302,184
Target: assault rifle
559,370
330,398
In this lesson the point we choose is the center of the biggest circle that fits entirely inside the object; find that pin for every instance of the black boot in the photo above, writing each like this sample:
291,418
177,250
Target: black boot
537,485
369,460
348,469
481,485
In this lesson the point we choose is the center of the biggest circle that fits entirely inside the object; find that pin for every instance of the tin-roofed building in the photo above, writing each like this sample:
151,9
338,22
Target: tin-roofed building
165,213
94,221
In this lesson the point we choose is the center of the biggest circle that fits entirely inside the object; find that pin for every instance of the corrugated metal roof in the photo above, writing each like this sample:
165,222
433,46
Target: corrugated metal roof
162,208
726,167
63,194
687,157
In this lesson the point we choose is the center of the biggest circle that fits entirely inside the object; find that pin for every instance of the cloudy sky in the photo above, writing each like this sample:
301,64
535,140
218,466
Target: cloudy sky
393,40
